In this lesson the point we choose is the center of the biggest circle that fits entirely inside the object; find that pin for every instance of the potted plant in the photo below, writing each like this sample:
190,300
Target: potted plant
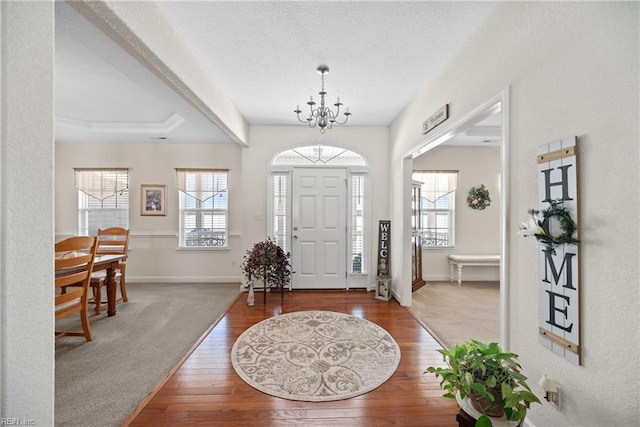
488,377
268,263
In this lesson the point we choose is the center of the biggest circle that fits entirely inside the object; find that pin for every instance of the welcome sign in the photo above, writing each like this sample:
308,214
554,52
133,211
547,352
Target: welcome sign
384,252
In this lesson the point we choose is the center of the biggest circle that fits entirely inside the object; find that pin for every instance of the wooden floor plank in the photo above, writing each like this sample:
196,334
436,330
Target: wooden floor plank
206,391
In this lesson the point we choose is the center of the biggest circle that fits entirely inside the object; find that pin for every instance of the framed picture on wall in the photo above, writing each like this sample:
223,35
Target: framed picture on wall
154,200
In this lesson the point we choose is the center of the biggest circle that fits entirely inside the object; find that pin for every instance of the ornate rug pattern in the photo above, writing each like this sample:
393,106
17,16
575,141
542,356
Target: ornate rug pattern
315,356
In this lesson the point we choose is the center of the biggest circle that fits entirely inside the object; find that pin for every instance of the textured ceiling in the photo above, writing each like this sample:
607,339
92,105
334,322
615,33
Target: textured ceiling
264,55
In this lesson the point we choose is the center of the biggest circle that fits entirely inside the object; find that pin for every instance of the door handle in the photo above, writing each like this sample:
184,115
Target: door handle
295,237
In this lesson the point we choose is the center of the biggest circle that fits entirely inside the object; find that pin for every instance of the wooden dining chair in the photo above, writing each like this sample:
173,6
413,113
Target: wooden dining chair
74,259
111,241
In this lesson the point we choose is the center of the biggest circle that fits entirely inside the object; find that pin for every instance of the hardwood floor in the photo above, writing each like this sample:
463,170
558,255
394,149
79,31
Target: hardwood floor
206,391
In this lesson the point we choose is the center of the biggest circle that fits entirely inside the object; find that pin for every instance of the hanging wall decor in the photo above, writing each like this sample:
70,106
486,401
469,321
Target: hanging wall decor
539,226
153,200
554,224
478,198
435,119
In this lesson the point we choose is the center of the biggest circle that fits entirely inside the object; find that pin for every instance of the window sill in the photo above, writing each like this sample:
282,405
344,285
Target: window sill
203,248
435,248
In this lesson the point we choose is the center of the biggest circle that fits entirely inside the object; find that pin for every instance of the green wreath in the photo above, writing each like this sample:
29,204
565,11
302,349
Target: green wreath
478,198
567,226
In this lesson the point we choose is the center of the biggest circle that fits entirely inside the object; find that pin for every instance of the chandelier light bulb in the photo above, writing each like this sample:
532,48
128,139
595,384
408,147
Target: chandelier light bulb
322,117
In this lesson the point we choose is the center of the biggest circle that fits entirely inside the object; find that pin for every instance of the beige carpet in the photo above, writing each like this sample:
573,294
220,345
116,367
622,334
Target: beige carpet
315,356
99,383
454,314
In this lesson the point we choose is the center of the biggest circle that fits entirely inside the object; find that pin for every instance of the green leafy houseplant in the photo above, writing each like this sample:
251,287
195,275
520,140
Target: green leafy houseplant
267,262
489,377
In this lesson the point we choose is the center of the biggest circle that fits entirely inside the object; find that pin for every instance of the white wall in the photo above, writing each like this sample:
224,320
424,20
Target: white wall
266,141
154,256
26,212
477,232
572,69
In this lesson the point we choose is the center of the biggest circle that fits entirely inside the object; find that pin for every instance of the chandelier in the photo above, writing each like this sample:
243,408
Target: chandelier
322,116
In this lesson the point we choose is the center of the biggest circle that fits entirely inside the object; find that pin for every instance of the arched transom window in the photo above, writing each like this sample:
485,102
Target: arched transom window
318,155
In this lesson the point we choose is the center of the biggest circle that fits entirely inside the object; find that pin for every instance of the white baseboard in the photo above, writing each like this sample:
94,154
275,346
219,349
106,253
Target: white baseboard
183,279
465,276
437,278
207,279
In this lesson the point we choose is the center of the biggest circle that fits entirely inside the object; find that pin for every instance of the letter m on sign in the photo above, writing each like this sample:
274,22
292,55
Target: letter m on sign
558,277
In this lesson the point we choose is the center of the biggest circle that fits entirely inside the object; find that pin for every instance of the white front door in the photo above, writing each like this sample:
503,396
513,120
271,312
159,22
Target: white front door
319,229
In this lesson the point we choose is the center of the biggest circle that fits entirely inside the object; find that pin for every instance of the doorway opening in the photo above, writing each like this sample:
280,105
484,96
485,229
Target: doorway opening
488,125
319,212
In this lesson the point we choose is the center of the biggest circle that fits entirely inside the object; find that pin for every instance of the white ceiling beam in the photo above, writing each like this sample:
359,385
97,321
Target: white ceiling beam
142,30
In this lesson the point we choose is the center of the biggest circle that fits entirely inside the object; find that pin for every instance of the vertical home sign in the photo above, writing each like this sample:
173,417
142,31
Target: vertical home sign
559,278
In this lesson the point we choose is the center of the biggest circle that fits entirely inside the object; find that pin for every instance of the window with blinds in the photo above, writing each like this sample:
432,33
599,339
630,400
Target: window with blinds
358,233
203,207
279,186
438,207
103,199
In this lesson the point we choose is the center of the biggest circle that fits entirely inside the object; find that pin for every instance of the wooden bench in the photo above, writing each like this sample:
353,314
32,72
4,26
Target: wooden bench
471,260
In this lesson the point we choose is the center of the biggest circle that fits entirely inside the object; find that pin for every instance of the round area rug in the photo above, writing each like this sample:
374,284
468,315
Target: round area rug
315,356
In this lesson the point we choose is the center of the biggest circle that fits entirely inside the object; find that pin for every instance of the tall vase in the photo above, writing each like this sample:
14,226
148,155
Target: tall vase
251,299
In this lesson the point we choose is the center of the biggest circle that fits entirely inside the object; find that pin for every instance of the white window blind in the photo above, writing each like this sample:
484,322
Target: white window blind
203,207
280,188
103,199
438,207
358,230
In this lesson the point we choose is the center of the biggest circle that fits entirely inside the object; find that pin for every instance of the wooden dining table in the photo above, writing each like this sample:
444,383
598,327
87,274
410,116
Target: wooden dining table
109,263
